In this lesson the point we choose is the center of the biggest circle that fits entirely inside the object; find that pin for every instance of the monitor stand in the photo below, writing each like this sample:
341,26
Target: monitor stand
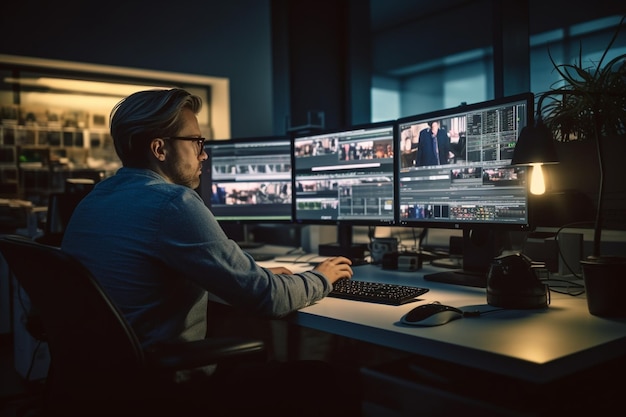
459,277
243,244
479,248
452,262
243,238
344,246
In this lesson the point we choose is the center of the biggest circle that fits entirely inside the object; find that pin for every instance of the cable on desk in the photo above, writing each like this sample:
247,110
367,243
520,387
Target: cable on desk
294,250
571,288
579,288
478,313
561,256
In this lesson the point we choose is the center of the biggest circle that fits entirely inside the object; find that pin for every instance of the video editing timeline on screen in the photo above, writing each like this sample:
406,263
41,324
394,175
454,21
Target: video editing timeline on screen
345,175
475,183
249,179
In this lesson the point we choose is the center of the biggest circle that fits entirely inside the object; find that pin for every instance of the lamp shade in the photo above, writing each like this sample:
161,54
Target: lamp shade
535,145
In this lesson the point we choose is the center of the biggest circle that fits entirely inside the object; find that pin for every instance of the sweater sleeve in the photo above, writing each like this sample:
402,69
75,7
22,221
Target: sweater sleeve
195,246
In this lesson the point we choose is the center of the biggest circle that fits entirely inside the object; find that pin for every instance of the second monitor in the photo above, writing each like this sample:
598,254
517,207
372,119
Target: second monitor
248,180
345,177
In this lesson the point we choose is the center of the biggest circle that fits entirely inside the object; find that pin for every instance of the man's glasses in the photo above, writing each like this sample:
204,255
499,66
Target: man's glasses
199,141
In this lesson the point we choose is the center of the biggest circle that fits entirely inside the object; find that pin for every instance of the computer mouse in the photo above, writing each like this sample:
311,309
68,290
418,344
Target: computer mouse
432,314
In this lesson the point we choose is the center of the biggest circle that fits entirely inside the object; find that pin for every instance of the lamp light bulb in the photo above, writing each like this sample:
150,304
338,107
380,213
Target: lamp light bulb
537,183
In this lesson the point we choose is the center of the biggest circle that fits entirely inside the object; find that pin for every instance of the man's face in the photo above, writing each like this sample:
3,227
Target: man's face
183,164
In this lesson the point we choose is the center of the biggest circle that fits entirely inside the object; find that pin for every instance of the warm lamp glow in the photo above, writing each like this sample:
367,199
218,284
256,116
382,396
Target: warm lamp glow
80,86
537,182
535,147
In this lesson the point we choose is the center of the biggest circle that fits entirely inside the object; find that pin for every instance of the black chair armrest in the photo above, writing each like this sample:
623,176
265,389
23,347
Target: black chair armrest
189,355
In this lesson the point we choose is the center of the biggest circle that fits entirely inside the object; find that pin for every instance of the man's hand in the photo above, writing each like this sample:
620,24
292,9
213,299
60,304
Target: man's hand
335,268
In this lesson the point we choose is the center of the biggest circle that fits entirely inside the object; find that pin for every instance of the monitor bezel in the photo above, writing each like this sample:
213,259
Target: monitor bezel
205,188
529,99
352,221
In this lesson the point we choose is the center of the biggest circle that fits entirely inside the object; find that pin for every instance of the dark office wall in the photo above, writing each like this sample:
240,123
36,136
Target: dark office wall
211,37
325,64
465,27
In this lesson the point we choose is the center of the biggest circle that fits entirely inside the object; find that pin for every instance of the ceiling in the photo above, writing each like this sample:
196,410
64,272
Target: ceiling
386,14
390,14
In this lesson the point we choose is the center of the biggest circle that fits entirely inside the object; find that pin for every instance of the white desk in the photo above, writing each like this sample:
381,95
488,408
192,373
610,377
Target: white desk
537,346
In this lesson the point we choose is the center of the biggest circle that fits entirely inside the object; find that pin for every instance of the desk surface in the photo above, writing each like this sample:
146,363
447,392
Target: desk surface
537,346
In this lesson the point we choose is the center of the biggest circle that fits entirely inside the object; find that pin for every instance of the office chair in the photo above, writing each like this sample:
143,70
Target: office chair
97,365
60,209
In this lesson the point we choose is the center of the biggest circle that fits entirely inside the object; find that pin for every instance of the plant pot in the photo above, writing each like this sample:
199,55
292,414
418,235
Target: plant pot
605,285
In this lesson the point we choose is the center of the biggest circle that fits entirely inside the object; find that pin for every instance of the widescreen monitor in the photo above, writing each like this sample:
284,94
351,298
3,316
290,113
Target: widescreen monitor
455,169
248,180
345,177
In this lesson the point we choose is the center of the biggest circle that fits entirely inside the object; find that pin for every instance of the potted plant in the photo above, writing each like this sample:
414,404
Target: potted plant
589,104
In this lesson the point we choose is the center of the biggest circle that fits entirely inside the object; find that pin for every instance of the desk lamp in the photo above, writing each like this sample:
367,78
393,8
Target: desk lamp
535,147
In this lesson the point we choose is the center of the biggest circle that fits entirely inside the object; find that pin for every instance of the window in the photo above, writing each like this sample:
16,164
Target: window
468,77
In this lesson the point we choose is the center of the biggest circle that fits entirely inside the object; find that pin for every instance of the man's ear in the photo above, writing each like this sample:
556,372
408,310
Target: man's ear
157,147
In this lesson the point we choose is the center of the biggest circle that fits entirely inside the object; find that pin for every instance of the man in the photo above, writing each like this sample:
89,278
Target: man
433,146
155,247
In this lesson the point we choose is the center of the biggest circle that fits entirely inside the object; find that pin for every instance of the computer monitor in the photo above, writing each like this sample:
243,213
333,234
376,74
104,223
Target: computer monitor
345,177
455,172
248,180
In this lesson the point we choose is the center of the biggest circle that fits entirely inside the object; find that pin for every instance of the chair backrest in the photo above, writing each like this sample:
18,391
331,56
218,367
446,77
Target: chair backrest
94,352
60,208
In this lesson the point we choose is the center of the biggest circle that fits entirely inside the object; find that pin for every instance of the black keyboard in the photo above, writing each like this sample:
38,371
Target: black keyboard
375,292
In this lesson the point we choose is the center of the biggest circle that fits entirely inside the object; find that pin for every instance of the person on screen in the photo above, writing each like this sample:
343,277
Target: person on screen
433,146
157,250
218,194
389,151
408,153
